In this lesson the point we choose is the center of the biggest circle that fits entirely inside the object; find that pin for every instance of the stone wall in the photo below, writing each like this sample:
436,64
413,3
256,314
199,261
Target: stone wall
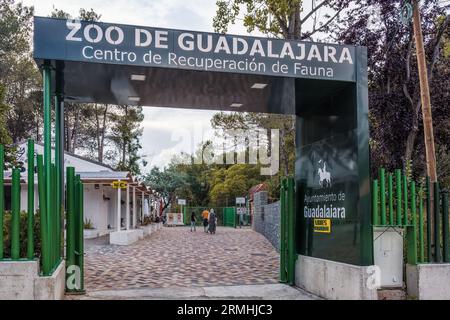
266,218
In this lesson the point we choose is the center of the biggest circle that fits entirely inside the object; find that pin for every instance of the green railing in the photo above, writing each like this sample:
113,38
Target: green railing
420,208
49,240
14,228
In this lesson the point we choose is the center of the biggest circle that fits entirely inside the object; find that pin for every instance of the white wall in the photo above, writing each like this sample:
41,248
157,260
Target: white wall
95,207
24,197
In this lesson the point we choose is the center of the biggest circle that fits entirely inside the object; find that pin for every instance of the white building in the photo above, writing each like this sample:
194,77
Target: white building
101,200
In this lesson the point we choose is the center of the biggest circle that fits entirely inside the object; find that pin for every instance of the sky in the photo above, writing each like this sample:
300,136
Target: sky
166,130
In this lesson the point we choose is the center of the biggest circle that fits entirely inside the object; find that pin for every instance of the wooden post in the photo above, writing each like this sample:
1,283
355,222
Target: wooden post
424,95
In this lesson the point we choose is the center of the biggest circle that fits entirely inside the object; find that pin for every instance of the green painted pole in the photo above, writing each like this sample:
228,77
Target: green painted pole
80,234
375,202
59,163
50,207
70,250
398,187
43,217
53,233
428,208
291,230
414,218
405,200
2,197
30,208
283,277
383,196
437,223
15,214
47,158
445,227
421,225
391,199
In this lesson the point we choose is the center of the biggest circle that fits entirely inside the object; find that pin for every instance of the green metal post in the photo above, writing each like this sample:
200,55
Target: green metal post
375,202
437,223
53,207
80,235
428,208
405,200
283,276
47,158
291,230
30,219
445,227
383,196
59,163
50,207
70,250
2,197
391,199
421,225
398,187
43,217
15,214
414,218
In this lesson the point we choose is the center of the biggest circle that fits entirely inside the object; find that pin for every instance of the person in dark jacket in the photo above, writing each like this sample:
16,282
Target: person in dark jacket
193,220
212,222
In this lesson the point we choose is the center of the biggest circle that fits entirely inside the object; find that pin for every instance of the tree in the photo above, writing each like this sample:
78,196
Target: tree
18,74
77,117
394,95
287,19
165,182
5,138
232,182
125,135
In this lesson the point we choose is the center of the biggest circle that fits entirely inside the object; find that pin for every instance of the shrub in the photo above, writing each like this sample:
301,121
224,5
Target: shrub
23,235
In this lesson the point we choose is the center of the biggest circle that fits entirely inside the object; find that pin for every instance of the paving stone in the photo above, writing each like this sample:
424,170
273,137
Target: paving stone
177,257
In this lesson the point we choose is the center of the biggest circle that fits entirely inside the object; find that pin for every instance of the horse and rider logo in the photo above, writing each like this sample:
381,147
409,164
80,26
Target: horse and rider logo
324,175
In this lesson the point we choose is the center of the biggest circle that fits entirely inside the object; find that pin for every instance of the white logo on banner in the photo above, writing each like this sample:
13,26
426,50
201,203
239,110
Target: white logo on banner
324,175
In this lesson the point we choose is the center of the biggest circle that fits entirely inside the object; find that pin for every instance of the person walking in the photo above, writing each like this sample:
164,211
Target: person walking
193,220
212,222
205,217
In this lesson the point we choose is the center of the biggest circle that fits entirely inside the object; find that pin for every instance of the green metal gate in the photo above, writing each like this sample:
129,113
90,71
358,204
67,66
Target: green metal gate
288,254
229,217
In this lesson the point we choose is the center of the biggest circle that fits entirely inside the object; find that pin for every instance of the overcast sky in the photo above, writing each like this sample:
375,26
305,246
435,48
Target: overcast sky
160,124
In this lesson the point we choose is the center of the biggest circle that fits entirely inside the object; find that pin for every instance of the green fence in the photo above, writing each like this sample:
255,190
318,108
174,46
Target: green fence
37,234
229,217
420,208
288,254
223,216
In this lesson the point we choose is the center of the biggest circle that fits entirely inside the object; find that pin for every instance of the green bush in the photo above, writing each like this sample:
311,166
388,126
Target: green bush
23,234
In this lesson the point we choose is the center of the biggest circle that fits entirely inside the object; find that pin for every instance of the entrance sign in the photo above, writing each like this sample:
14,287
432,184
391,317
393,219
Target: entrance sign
323,85
98,42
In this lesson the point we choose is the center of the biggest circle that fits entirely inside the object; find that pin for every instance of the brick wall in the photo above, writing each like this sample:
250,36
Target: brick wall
266,219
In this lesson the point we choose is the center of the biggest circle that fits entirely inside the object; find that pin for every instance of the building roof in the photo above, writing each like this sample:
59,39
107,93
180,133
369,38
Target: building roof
77,156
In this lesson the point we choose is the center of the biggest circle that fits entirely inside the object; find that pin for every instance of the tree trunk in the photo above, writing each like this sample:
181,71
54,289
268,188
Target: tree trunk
75,131
101,147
